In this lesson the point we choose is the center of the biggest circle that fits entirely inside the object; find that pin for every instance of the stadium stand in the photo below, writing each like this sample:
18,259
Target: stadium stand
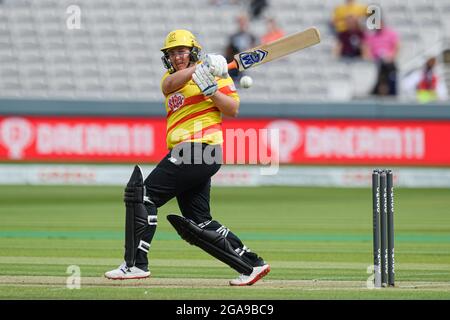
115,54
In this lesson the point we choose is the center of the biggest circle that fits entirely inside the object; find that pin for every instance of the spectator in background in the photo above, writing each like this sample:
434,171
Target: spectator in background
350,42
349,8
273,31
381,46
426,84
446,56
238,42
257,7
224,2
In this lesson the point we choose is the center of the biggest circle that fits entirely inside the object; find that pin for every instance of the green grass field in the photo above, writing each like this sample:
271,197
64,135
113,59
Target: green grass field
317,240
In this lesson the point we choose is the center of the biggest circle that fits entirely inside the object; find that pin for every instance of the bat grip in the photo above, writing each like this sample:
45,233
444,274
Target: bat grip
232,65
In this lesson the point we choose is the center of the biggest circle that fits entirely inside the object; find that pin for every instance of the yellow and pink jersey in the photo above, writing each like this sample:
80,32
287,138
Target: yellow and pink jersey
192,117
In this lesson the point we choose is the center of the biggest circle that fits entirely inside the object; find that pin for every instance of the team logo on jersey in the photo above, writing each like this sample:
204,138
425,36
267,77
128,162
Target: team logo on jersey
250,58
175,101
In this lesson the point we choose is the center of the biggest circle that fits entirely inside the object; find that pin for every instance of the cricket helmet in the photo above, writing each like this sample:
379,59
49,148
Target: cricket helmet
180,38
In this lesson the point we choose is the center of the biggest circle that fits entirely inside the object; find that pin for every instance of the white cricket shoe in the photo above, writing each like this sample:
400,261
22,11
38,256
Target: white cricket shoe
247,280
123,273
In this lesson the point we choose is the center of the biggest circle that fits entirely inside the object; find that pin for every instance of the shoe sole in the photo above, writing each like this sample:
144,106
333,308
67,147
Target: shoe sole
128,278
260,275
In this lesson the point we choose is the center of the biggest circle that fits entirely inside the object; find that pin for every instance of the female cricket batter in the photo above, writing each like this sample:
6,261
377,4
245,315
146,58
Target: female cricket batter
197,92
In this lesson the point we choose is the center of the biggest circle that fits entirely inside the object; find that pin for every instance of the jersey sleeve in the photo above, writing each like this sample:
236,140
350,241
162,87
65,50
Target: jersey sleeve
162,79
226,86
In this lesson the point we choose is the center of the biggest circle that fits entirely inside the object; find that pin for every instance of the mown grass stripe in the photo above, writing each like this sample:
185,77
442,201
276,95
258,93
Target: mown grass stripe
213,263
118,235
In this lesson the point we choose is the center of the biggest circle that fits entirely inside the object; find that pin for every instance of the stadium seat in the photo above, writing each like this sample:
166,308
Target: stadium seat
121,39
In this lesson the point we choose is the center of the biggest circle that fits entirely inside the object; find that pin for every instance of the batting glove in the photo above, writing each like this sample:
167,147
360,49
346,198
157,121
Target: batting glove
205,80
217,64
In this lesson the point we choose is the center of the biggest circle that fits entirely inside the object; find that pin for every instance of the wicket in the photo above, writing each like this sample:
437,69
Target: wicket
383,228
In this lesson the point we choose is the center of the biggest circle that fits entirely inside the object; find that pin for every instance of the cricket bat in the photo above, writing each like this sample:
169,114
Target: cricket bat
275,49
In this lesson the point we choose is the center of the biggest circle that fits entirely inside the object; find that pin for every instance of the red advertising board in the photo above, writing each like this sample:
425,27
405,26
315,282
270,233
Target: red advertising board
292,141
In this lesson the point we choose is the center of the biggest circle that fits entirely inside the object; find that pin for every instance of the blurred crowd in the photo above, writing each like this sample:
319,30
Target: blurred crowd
356,40
243,39
255,7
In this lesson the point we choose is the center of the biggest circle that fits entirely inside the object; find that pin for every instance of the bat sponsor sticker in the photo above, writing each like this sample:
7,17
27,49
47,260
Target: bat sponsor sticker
250,58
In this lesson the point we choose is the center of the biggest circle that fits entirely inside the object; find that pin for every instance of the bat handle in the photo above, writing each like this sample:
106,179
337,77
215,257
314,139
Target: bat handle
232,65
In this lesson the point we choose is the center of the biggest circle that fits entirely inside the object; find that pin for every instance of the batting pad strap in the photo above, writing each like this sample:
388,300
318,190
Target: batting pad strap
147,199
152,220
144,246
223,231
204,224
241,251
210,241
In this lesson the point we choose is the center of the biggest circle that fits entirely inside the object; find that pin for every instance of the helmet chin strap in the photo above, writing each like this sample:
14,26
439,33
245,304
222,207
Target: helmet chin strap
194,56
167,64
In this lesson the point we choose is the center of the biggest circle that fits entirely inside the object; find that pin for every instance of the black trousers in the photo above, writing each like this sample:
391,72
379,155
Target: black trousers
186,177
386,84
185,173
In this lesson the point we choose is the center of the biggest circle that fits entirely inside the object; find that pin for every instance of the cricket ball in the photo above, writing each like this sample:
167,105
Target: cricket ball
246,82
